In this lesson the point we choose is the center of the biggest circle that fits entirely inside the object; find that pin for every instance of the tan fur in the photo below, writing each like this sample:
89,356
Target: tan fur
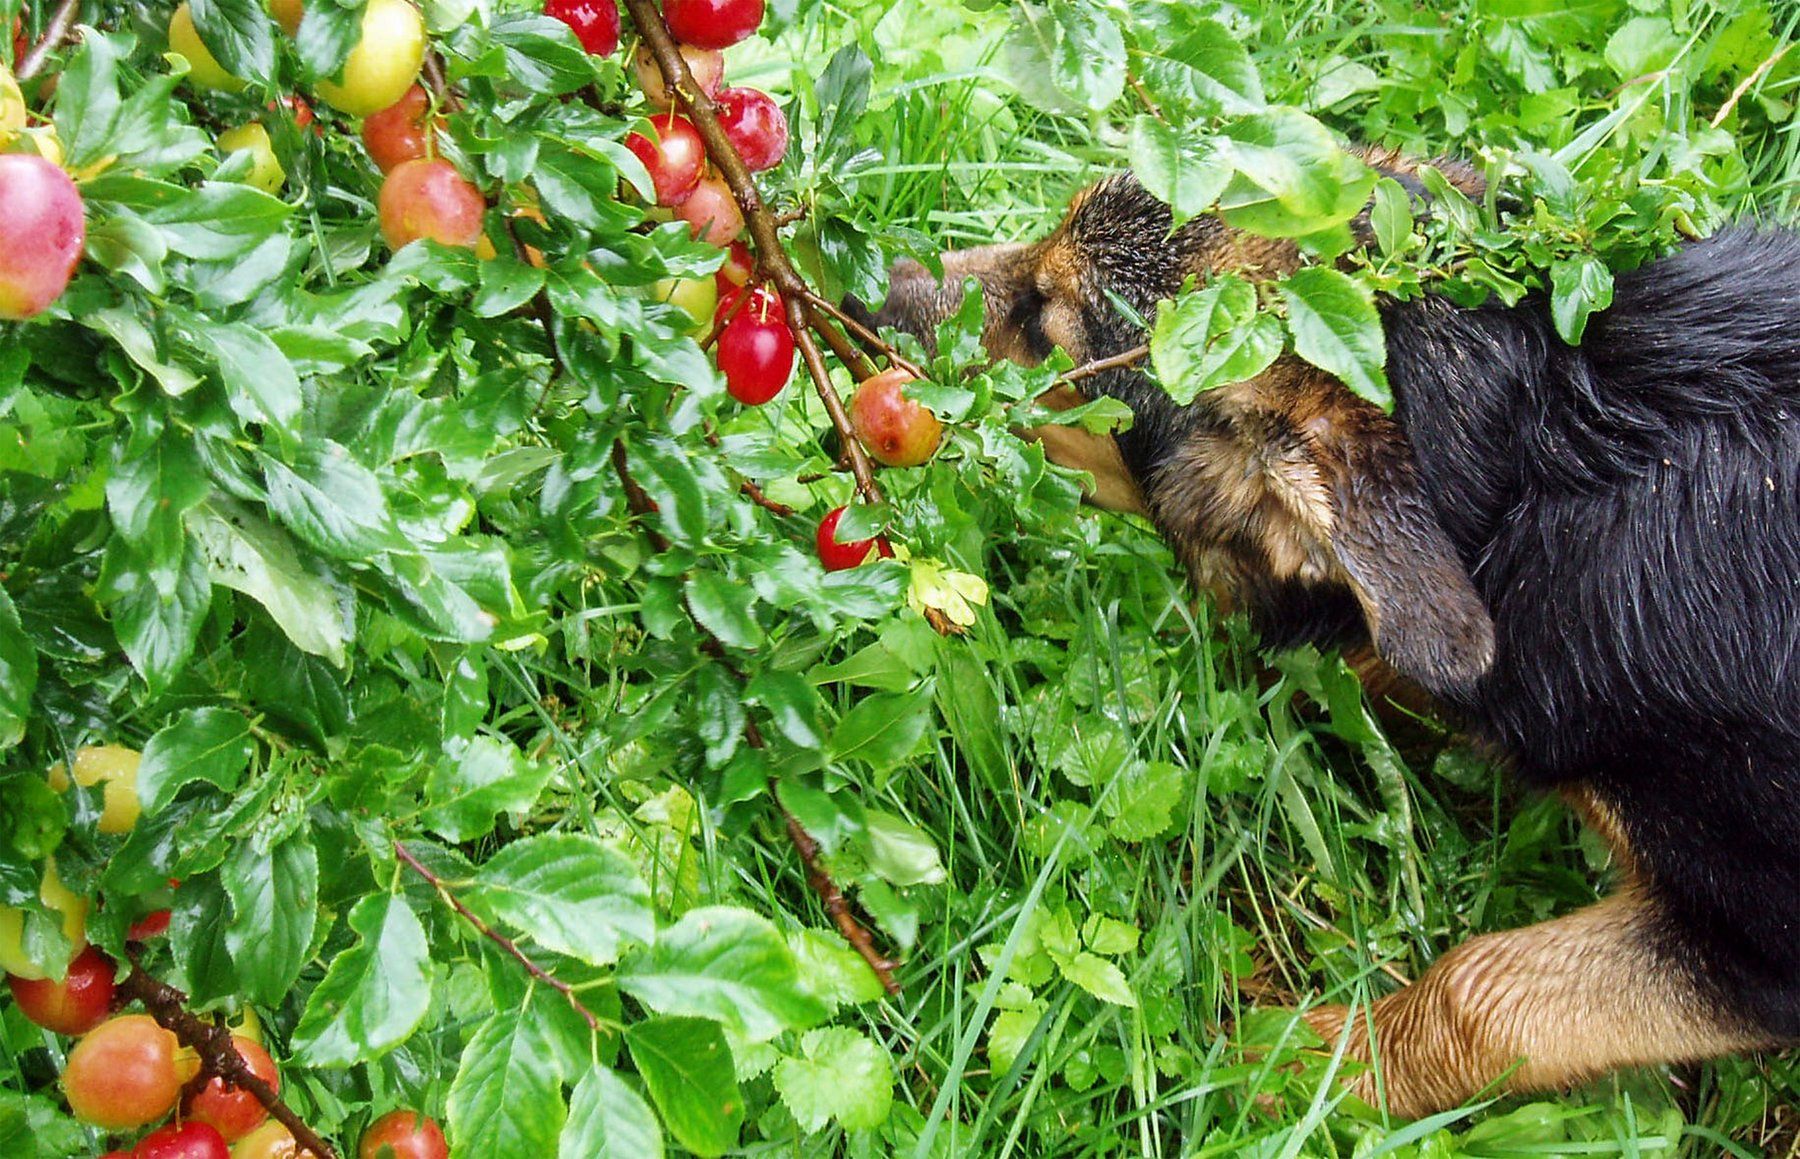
1113,488
1534,1009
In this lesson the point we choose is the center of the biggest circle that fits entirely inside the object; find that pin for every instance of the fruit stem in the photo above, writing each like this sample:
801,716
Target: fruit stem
54,32
213,1044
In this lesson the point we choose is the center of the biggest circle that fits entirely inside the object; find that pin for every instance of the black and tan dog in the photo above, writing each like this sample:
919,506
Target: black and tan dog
1591,555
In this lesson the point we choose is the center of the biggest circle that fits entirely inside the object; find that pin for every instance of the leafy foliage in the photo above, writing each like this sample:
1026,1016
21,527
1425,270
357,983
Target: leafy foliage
332,536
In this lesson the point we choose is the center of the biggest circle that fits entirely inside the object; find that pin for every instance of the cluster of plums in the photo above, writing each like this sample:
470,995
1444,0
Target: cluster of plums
126,1071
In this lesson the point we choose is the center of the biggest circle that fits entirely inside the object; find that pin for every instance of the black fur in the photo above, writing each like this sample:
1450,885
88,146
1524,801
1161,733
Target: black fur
1630,511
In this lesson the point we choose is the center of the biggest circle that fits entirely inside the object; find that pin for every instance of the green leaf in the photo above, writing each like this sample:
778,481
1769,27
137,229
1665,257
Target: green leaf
1206,73
686,1066
723,607
726,964
1098,977
840,1075
506,284
260,383
274,906
1182,168
466,792
157,632
18,674
244,553
541,54
218,219
240,36
608,1119
1145,798
1211,338
1292,179
155,480
899,852
374,994
507,1096
331,501
1391,216
1336,328
571,893
328,33
202,744
1065,56
884,728
1579,286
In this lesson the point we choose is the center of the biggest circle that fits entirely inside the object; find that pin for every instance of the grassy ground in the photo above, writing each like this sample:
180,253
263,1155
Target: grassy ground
1310,856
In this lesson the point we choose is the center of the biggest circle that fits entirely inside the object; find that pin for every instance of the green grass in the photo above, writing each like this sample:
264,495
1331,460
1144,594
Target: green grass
1311,858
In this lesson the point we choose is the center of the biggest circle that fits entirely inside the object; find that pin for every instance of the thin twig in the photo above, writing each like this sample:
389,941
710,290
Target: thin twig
837,905
1101,365
1748,83
505,943
441,92
866,335
637,500
54,33
218,1055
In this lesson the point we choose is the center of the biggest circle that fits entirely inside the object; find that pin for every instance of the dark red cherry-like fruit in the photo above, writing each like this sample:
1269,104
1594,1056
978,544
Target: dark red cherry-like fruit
673,153
712,23
595,22
835,554
757,127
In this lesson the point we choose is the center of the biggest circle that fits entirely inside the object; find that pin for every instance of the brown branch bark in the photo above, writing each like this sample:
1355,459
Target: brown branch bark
505,943
214,1046
1101,365
865,335
837,905
54,34
637,500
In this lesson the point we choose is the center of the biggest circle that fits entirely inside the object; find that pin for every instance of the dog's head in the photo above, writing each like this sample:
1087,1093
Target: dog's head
1286,495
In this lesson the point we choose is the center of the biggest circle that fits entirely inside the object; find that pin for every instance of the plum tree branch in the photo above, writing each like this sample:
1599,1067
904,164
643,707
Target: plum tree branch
506,944
54,34
771,257
213,1044
1101,365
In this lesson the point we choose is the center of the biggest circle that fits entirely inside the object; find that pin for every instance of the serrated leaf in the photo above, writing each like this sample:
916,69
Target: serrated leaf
245,553
1336,328
1291,179
726,964
1065,56
202,744
274,906
157,632
331,501
840,1075
328,33
374,994
1183,169
570,893
466,792
608,1119
1205,73
507,1097
686,1066
899,852
260,383
1098,977
1211,338
723,607
218,220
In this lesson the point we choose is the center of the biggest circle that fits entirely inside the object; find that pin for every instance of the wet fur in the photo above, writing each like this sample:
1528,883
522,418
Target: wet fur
1592,555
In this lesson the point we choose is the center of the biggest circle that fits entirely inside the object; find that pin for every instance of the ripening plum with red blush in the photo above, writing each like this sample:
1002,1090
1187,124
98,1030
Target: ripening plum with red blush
756,126
594,22
713,23
675,156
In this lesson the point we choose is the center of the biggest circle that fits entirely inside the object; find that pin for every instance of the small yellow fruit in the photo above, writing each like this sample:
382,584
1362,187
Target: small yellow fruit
58,897
287,13
697,297
266,172
114,766
204,72
385,61
12,107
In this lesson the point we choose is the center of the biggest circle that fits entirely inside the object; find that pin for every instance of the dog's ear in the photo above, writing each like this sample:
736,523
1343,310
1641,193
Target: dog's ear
1424,615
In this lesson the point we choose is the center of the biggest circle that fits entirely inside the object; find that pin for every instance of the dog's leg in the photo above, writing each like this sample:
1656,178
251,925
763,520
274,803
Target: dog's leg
1553,1004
